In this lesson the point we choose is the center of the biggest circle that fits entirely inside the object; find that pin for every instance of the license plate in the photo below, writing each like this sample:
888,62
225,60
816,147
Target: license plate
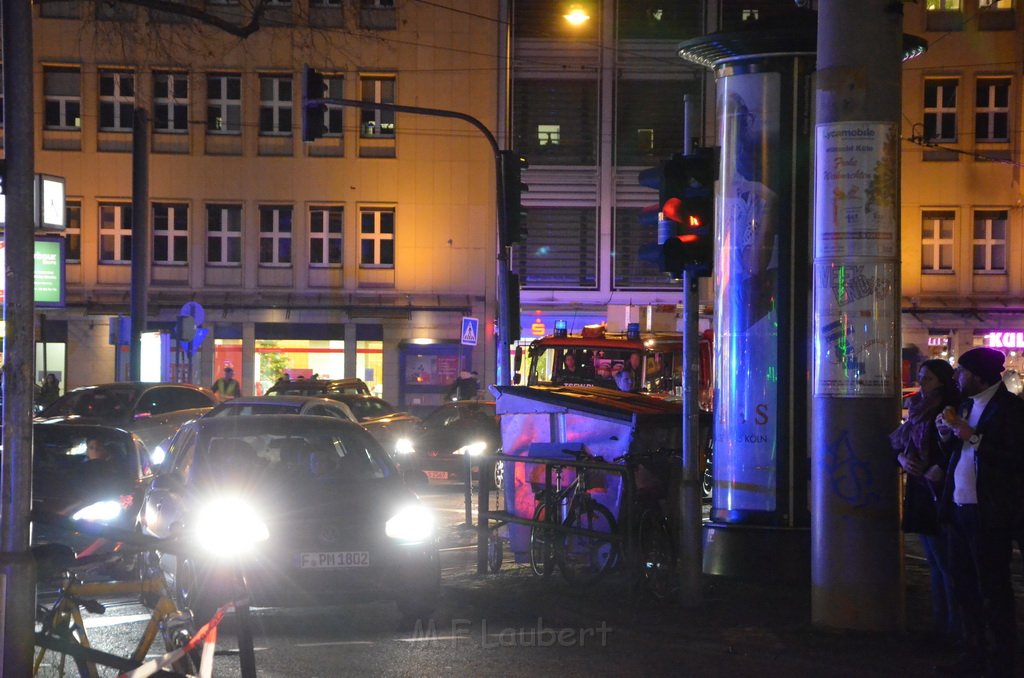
437,475
334,560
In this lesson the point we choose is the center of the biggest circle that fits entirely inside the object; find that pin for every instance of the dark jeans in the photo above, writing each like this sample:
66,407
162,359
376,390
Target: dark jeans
945,611
980,565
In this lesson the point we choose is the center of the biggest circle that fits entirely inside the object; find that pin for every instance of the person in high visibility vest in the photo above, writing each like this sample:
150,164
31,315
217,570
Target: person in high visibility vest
227,387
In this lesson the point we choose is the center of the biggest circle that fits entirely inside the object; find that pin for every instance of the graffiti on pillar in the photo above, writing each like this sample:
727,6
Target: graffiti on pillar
851,477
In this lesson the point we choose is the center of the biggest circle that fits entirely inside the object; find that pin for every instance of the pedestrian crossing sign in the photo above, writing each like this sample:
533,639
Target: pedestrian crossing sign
469,331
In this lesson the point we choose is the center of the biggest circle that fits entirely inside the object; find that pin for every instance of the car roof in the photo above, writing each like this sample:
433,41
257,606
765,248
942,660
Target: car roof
276,424
297,400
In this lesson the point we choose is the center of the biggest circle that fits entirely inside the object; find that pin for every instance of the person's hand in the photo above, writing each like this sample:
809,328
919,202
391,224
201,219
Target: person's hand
943,422
912,465
934,474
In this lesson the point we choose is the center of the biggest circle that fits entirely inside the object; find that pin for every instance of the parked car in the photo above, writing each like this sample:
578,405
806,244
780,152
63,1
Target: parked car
283,404
153,411
437,447
328,387
88,473
310,508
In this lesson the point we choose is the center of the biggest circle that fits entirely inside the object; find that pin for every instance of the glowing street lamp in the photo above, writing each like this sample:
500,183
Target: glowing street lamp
576,15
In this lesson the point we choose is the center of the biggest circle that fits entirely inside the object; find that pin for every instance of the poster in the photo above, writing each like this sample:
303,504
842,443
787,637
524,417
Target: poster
856,189
855,329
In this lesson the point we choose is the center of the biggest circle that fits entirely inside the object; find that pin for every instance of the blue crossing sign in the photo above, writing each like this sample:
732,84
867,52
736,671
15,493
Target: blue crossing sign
470,331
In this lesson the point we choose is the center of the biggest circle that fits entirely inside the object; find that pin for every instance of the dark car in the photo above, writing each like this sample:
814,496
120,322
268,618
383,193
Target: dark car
86,472
153,411
326,387
311,509
283,404
455,429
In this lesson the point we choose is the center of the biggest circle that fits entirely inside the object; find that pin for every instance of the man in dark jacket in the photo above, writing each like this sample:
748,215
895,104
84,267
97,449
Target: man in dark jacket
982,503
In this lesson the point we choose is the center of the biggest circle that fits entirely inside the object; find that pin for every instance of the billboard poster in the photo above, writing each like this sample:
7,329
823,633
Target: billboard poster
746,284
48,255
855,329
856,188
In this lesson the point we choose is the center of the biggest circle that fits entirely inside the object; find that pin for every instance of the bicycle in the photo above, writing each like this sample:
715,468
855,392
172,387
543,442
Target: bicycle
655,548
578,546
63,647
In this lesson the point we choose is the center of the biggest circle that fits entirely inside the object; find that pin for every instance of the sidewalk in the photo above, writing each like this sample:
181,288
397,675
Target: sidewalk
740,629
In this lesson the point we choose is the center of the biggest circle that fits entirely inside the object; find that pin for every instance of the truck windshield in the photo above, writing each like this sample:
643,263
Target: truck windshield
627,368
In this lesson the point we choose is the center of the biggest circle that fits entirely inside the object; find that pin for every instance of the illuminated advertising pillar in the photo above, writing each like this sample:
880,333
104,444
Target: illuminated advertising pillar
759,516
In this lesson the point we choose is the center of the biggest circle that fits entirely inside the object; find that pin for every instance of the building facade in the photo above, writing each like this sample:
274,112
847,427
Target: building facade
963,245
355,255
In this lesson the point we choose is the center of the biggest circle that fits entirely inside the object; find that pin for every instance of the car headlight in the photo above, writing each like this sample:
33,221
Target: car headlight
229,526
411,524
99,512
473,449
157,456
404,447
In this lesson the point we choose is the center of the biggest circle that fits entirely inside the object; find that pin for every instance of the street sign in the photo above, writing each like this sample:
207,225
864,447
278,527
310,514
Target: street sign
194,310
470,330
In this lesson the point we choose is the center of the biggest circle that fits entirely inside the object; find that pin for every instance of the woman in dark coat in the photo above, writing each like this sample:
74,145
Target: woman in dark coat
916,444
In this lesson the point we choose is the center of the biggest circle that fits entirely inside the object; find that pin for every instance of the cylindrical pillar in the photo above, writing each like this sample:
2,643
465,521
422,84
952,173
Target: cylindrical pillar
856,563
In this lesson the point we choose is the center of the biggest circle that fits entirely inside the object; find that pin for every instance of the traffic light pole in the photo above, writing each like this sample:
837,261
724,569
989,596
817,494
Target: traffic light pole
504,341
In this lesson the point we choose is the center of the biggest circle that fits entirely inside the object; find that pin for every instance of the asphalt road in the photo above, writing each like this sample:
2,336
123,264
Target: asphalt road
514,623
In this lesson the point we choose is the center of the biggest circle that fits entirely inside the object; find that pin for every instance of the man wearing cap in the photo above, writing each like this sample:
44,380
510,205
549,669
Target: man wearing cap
981,502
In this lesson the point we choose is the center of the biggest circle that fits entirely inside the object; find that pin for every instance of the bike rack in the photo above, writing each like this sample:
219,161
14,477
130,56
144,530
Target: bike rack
623,534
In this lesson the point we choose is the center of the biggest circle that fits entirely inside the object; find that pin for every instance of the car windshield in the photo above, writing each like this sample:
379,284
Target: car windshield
69,451
312,457
369,408
107,402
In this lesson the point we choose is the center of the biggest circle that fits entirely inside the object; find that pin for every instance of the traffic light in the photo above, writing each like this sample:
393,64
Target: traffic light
513,221
314,91
686,227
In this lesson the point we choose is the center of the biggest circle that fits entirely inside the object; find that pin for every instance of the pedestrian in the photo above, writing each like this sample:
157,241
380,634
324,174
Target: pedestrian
227,387
465,387
916,443
981,502
50,389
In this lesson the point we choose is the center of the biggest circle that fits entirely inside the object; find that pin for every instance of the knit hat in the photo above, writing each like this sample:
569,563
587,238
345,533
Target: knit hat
985,363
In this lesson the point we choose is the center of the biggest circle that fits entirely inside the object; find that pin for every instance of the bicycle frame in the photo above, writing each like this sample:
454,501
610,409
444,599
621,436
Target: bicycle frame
66,614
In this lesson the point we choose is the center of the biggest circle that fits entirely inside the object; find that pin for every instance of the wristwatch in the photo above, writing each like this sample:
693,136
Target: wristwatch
974,440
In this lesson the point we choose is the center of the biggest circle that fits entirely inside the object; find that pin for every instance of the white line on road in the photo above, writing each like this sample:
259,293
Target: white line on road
100,622
429,638
336,642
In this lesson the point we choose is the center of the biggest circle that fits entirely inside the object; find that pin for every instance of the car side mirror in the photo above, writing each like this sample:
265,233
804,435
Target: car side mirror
169,482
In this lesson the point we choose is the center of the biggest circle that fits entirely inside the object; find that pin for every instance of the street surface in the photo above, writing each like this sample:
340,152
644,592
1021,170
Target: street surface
514,623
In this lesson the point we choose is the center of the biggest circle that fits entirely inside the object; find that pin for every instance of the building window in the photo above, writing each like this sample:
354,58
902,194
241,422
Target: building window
275,105
224,103
937,242
560,249
940,109
224,235
990,241
73,230
557,120
170,102
995,4
333,117
992,110
115,233
379,4
645,134
377,238
943,5
380,90
62,89
750,14
325,235
327,3
276,236
170,233
117,101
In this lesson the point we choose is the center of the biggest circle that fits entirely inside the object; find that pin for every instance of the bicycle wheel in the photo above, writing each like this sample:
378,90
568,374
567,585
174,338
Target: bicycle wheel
657,554
51,659
177,632
542,546
584,559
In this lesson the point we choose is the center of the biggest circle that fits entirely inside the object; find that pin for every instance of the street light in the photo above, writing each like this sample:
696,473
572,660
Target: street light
576,15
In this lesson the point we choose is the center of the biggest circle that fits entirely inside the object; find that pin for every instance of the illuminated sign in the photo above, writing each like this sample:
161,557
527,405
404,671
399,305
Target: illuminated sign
938,341
49,271
1005,339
